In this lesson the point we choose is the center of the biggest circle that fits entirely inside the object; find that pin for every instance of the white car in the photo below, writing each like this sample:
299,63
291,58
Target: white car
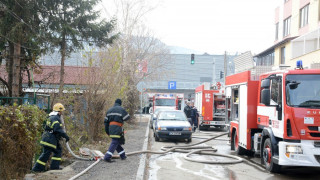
172,124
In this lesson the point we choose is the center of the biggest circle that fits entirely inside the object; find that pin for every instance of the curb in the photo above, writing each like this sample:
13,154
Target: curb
143,158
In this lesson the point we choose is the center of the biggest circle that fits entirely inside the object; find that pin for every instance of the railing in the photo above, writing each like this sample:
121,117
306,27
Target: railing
41,100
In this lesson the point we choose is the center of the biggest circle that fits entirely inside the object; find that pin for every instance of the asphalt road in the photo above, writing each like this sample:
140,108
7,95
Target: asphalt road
174,166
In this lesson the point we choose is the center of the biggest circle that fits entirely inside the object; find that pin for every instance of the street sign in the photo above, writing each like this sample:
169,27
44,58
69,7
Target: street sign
172,85
141,86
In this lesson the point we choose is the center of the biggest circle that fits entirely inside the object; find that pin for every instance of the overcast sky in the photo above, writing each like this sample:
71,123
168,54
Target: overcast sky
214,26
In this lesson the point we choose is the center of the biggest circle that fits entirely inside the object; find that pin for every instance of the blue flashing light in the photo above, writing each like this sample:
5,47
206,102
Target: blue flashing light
299,64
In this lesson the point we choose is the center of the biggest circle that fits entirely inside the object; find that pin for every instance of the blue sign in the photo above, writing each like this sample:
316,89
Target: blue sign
172,85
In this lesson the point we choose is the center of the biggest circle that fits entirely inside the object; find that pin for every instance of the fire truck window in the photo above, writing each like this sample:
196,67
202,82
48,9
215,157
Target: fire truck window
275,92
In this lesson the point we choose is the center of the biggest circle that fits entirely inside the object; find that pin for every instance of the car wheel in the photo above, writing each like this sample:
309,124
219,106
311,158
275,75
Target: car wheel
190,139
156,138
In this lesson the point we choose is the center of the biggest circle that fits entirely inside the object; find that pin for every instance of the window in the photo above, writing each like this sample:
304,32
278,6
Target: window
277,31
283,55
276,92
286,26
304,16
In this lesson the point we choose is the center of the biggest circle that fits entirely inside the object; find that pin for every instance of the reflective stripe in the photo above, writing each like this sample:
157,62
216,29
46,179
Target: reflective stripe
121,152
106,118
115,136
54,123
48,144
40,162
109,153
56,158
114,114
126,116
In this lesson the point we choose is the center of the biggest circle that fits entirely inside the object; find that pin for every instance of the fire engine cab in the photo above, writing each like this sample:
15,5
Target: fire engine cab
276,116
166,100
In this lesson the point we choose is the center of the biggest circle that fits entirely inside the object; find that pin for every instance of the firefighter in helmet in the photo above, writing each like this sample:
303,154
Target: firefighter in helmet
50,140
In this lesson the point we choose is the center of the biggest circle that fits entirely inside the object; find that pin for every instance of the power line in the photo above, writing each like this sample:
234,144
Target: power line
15,15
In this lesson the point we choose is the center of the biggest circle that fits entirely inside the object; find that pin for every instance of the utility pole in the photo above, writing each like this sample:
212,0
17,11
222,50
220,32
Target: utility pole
225,67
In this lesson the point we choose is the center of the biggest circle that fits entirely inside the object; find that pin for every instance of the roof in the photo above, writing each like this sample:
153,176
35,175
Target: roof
276,45
51,75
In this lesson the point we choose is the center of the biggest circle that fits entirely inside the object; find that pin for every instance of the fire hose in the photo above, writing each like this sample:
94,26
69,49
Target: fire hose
205,150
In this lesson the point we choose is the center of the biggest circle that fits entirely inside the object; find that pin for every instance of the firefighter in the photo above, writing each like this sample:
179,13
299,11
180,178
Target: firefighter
194,117
187,111
113,122
50,140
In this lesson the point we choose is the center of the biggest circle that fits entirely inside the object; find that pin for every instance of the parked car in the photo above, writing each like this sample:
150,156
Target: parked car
154,116
172,124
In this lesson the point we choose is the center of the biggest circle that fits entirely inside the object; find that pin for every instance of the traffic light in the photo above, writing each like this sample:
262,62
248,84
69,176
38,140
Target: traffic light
192,58
221,74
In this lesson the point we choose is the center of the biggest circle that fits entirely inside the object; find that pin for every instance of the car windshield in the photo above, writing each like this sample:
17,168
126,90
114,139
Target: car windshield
303,90
165,102
172,115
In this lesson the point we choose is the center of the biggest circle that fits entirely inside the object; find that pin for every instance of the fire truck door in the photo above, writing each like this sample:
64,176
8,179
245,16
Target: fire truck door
276,106
243,93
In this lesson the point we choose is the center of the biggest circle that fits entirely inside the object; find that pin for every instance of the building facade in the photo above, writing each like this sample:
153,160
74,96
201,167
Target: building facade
186,76
297,33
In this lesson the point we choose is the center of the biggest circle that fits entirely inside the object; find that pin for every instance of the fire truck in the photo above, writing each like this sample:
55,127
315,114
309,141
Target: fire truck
166,100
276,115
211,107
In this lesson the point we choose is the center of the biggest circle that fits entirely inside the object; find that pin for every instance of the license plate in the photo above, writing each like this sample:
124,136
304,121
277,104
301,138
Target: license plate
217,122
174,133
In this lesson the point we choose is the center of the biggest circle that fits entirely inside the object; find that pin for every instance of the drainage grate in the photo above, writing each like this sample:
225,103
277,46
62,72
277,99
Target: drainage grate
316,144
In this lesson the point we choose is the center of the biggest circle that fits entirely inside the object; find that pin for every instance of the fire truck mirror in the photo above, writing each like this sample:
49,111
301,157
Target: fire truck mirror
265,97
265,83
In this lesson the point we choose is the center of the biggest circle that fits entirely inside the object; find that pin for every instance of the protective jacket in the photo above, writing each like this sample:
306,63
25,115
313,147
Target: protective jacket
53,131
114,121
187,111
194,115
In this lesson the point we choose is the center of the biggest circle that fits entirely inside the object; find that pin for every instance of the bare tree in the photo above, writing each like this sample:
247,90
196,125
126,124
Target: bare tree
138,44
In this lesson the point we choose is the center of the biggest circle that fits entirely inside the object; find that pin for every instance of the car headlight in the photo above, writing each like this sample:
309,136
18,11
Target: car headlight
162,128
293,149
187,128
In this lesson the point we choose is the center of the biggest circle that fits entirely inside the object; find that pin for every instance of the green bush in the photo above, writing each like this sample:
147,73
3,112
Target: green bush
20,130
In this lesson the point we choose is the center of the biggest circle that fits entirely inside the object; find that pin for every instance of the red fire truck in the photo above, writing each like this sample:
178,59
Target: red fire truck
166,100
276,116
211,107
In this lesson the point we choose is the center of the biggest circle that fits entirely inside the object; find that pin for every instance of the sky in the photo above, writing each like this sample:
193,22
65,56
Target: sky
214,26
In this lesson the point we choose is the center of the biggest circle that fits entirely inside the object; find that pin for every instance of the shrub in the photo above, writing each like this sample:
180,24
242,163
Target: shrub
20,130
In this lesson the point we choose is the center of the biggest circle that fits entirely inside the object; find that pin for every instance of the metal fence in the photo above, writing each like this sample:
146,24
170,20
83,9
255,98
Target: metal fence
41,100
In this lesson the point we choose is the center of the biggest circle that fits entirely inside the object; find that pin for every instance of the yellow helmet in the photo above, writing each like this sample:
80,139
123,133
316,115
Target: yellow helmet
58,107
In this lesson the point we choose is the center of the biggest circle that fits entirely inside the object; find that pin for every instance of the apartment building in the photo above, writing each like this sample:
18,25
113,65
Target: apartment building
297,33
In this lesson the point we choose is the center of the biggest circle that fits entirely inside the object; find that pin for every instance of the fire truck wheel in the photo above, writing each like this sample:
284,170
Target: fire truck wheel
267,157
238,149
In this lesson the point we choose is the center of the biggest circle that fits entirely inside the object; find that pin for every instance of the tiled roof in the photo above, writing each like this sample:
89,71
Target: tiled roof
51,75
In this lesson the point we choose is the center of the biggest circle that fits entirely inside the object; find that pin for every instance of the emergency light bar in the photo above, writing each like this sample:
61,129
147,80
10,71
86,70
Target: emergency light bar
299,64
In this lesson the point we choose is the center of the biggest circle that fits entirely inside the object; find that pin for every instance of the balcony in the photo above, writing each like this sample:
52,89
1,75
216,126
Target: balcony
305,44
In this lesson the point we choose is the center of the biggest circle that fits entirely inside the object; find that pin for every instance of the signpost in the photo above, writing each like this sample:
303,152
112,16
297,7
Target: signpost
141,87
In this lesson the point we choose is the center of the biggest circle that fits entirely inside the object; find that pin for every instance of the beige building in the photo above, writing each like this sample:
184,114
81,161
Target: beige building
297,33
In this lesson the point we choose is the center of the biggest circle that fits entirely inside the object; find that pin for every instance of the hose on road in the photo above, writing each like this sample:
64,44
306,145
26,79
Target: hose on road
189,149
